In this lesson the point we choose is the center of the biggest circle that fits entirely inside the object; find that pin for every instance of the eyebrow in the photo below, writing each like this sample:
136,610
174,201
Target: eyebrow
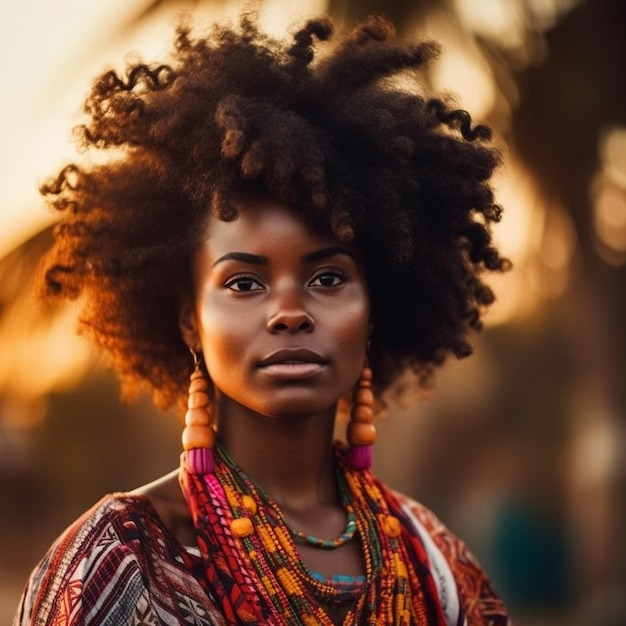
325,253
311,257
243,257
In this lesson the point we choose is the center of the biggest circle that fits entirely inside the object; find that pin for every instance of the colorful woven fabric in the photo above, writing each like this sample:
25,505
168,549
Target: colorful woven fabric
119,565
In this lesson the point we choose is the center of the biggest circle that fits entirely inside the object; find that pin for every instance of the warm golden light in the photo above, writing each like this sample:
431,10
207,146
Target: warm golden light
279,16
610,224
505,22
464,72
539,240
613,155
499,20
40,353
609,198
51,52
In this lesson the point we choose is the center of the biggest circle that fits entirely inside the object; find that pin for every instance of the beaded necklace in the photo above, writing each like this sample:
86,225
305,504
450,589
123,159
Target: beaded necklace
273,541
348,533
254,570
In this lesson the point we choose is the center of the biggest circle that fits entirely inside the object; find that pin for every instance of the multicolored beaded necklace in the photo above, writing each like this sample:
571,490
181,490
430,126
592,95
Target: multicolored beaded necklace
254,570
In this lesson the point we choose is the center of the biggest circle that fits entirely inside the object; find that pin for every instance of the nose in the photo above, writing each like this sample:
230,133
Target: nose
290,314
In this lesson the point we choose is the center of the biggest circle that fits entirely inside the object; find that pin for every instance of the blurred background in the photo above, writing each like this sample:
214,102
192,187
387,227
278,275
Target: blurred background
519,449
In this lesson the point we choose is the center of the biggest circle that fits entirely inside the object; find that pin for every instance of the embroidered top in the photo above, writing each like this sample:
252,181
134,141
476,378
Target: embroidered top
119,565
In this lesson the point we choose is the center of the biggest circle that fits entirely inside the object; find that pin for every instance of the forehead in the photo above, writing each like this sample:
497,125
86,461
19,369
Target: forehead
263,222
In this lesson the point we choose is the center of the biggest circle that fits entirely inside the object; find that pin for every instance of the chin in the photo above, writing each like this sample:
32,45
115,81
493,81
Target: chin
293,409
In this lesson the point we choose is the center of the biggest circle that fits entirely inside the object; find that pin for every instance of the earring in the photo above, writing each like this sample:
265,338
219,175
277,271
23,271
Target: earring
198,435
361,431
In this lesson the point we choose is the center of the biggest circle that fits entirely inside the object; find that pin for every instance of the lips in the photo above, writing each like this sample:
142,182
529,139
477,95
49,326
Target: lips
293,356
293,364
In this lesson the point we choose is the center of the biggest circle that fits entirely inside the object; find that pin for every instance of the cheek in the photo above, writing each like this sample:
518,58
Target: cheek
355,327
360,312
223,336
352,329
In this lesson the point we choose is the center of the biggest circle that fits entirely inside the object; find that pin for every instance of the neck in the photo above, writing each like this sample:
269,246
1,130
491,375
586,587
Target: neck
290,458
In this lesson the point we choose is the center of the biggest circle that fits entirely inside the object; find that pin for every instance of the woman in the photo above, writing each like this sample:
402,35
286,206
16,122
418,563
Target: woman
277,231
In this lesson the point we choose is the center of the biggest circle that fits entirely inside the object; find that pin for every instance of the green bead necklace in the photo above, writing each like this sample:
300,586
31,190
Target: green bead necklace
348,533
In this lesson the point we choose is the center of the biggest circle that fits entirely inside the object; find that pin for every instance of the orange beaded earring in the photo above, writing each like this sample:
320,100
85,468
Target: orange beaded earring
198,435
361,431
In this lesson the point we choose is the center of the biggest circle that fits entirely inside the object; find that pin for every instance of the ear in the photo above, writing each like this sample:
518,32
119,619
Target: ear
188,325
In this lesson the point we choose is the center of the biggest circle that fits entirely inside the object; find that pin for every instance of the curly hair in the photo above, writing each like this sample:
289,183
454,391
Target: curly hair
343,132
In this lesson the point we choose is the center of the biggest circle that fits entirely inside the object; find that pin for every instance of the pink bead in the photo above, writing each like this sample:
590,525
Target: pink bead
200,461
360,457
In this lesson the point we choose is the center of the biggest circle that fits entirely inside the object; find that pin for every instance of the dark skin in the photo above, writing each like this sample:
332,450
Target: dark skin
281,314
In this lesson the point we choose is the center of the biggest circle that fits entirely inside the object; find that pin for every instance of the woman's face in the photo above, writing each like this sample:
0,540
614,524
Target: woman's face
281,311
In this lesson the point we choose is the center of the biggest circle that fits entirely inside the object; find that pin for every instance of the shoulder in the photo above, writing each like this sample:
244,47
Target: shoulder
116,527
109,567
454,565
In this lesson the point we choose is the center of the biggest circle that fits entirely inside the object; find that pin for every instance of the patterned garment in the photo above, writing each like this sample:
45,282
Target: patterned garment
118,565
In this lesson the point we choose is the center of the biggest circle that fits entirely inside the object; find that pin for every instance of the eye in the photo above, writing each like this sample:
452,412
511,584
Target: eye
243,284
328,279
